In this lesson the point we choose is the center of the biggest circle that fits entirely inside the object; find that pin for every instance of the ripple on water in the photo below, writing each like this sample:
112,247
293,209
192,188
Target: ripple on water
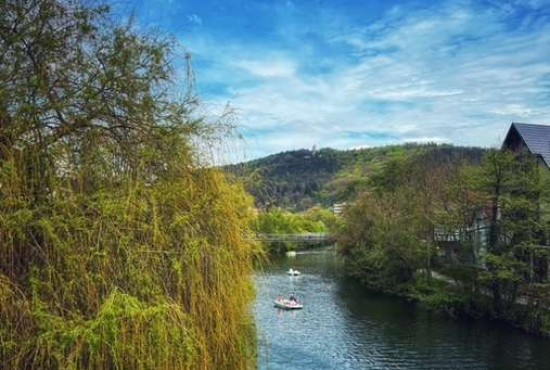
344,327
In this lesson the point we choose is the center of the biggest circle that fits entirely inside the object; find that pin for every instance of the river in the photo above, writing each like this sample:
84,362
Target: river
342,326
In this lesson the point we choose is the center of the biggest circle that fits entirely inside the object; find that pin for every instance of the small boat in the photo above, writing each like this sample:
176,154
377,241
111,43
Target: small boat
287,304
293,272
291,254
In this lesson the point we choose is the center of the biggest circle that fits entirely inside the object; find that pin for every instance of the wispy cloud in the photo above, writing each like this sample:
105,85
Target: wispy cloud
194,19
300,75
268,68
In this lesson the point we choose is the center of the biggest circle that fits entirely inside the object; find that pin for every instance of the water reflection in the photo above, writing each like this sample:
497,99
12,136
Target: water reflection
344,327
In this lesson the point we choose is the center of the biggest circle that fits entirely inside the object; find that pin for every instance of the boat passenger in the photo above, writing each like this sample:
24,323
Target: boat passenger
292,298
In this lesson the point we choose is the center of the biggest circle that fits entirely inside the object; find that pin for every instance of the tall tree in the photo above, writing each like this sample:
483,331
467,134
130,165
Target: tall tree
493,180
118,246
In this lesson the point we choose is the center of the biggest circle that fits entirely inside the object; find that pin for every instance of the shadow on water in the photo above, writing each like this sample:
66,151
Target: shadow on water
342,326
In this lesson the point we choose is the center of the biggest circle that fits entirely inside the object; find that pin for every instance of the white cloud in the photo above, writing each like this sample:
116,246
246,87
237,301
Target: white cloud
268,68
194,19
455,73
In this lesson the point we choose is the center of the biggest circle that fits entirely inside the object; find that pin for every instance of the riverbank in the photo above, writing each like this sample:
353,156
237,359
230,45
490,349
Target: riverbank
453,299
344,326
457,300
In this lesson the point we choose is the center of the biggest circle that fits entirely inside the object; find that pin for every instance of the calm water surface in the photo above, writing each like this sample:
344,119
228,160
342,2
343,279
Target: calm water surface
344,327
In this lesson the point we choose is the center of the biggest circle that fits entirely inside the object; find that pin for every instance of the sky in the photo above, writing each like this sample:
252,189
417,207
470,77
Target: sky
361,73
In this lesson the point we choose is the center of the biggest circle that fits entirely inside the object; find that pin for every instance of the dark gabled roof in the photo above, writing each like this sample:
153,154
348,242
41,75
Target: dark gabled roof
535,137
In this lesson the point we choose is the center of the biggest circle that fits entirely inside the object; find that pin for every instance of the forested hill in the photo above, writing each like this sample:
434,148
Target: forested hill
299,179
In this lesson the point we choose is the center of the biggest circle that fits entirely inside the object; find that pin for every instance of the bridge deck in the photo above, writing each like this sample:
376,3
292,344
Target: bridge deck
297,238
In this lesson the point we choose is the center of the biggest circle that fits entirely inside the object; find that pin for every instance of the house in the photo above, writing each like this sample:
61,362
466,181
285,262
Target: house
338,208
529,138
521,138
532,139
475,233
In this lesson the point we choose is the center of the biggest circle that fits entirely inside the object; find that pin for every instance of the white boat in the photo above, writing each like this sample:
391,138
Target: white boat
293,272
287,304
291,254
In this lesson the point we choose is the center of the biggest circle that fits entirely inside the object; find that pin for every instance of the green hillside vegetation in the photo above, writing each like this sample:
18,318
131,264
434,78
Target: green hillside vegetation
119,250
301,179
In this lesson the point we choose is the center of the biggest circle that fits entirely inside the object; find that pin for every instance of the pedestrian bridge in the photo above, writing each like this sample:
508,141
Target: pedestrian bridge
294,238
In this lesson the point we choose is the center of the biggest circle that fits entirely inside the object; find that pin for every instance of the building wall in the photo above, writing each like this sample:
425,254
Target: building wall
545,205
515,143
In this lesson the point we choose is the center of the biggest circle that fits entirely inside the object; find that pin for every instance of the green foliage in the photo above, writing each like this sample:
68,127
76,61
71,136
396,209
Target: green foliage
125,331
120,250
302,179
453,301
278,221
380,242
464,277
516,191
390,232
503,277
332,223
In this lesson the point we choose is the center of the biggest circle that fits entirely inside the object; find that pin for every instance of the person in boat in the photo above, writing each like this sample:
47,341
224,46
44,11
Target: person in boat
279,298
292,298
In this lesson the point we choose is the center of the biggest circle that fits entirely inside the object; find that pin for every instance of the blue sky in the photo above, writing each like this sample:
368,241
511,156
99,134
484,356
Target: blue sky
351,73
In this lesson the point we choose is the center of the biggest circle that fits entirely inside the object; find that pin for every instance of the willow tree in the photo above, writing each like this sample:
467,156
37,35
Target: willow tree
118,249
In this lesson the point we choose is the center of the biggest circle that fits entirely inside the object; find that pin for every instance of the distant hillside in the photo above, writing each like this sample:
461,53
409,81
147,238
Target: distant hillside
300,179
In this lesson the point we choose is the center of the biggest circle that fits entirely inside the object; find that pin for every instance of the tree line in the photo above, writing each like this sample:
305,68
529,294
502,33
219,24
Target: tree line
280,221
300,179
493,218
